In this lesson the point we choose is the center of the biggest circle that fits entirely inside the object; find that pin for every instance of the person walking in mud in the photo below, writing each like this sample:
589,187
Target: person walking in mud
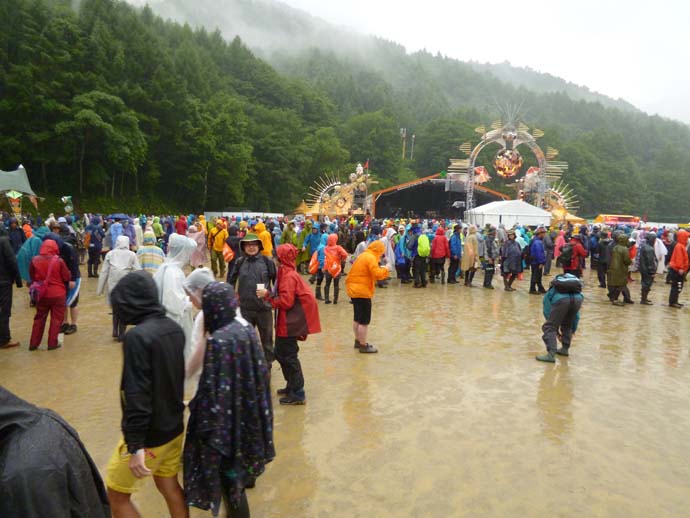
561,307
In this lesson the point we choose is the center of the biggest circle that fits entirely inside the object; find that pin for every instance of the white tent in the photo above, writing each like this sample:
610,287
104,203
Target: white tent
508,213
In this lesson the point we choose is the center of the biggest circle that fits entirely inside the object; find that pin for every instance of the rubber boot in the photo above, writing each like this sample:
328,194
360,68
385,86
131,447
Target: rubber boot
563,351
472,272
548,357
89,268
645,300
510,284
467,278
318,293
505,284
443,277
336,290
327,293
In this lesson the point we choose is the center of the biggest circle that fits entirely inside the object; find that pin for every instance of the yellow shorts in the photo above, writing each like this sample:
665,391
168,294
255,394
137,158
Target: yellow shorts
163,461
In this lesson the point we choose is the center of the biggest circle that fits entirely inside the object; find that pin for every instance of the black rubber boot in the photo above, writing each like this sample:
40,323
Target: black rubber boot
645,300
327,293
335,294
318,293
563,351
548,357
443,277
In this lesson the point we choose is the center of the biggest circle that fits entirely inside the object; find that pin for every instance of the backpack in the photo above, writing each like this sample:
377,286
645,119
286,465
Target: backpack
423,247
527,253
228,253
567,284
314,263
332,265
37,289
87,239
566,255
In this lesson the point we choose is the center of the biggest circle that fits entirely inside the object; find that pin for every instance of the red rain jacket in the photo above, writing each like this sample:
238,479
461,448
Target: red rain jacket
297,313
439,246
38,269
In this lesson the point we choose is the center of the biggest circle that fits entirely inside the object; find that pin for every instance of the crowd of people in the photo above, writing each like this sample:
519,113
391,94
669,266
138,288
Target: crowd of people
219,330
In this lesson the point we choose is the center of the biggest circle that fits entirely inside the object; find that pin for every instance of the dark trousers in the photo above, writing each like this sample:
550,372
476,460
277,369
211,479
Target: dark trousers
453,270
677,282
263,321
561,318
535,279
437,266
549,261
489,271
56,308
601,273
419,270
336,287
94,260
616,292
118,328
5,312
286,354
239,510
404,271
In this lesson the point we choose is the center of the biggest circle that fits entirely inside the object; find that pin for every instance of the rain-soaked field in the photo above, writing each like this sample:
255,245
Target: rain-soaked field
453,417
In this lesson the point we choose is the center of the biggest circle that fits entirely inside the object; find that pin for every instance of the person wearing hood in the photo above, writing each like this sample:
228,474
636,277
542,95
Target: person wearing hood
216,241
549,249
604,256
94,235
30,249
194,286
48,268
678,267
118,262
16,235
440,251
577,256
66,242
170,282
648,264
455,247
151,397
335,255
229,438
470,255
115,231
297,315
157,227
128,230
418,262
537,256
360,285
618,271
561,307
150,255
199,256
233,241
44,467
251,270
9,274
181,225
266,239
289,236
311,242
321,257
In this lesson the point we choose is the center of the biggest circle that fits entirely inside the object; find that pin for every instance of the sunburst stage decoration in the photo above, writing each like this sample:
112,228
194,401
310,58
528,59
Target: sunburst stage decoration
329,196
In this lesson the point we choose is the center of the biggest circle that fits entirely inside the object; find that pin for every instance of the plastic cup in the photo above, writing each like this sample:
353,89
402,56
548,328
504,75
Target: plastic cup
260,286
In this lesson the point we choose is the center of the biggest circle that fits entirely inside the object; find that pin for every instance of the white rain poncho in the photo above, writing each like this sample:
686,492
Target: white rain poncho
118,262
194,284
170,279
389,246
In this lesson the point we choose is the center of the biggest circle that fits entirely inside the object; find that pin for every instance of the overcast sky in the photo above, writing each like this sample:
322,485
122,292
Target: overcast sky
637,50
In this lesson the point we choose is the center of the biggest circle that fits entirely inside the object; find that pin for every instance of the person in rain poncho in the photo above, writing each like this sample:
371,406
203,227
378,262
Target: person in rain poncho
150,255
200,255
118,263
230,432
29,250
45,469
194,285
170,282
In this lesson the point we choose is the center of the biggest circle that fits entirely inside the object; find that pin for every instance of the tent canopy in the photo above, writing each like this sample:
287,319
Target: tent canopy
16,181
508,213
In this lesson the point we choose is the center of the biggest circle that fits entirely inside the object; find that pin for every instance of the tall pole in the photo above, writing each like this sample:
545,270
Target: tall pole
403,137
412,149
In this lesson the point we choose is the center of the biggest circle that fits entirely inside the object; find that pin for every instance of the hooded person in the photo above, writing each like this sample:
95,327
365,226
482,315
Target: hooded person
200,255
94,236
455,249
618,270
170,282
440,251
230,431
360,284
470,255
50,270
289,236
321,257
335,255
16,235
150,255
157,227
678,267
194,285
118,262
45,469
233,241
511,260
30,249
151,397
266,239
297,315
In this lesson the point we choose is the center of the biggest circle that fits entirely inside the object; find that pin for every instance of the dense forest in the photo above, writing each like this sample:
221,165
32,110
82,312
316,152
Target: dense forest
122,109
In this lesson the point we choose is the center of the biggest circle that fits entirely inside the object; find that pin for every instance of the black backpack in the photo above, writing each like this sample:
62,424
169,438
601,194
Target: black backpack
526,253
567,283
566,255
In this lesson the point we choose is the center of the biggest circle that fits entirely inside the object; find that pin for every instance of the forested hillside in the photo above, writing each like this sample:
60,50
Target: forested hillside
116,106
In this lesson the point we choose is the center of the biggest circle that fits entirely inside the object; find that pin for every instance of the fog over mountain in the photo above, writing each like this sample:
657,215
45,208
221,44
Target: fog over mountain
273,28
